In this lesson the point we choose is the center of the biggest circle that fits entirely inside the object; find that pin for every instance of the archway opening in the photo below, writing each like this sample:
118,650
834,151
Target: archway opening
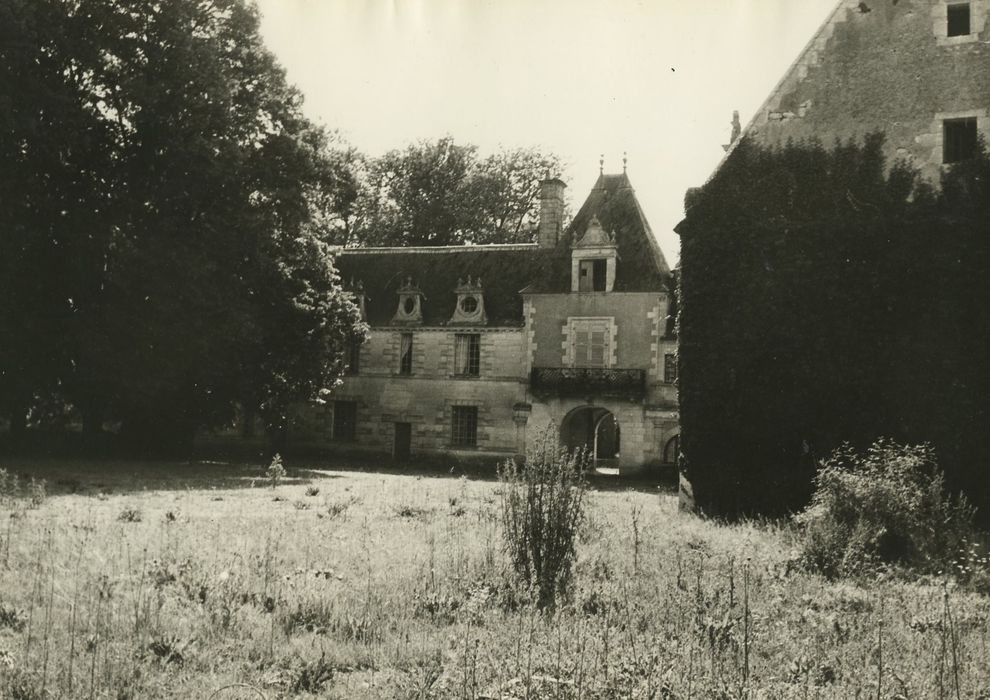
595,430
671,450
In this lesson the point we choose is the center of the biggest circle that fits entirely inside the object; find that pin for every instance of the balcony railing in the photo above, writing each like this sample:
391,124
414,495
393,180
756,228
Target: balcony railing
588,381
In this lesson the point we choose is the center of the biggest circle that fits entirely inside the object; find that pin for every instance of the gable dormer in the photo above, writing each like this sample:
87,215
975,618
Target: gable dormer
593,260
410,309
470,306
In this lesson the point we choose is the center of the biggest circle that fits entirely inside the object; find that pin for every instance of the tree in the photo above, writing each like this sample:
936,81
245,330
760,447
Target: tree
207,284
443,193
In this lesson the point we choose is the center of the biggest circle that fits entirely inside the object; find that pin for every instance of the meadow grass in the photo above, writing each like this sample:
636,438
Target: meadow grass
161,580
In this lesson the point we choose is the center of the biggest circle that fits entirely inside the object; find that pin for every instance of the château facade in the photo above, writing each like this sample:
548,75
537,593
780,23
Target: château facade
474,350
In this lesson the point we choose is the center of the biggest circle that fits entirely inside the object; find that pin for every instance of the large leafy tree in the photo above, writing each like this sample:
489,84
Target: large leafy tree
203,189
444,193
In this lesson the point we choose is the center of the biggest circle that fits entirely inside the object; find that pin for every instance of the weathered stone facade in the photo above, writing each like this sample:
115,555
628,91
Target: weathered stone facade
890,67
499,343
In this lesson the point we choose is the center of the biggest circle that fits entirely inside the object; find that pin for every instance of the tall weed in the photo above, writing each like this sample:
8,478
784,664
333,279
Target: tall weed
542,510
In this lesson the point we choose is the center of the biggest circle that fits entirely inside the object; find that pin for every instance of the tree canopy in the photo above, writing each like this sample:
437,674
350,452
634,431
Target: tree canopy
443,193
163,205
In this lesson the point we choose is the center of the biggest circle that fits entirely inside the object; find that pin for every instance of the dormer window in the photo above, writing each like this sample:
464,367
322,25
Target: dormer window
410,309
470,306
958,19
593,260
592,275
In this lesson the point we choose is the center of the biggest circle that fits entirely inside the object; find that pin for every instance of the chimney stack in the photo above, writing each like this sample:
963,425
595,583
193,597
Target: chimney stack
551,211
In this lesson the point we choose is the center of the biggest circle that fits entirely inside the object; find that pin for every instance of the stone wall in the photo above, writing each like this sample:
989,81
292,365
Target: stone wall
884,66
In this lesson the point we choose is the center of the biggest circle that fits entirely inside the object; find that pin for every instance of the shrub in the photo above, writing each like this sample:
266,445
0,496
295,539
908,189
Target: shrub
887,506
276,471
312,490
130,514
542,509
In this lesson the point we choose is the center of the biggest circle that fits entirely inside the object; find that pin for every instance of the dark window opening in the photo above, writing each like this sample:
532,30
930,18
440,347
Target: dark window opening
670,368
469,305
592,275
464,429
344,420
958,19
406,354
354,357
467,354
959,139
409,305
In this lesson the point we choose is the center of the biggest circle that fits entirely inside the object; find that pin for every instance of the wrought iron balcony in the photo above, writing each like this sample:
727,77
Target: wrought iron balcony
588,381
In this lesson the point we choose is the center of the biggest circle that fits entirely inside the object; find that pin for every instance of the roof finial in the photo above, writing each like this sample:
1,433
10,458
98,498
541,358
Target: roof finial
624,159
601,164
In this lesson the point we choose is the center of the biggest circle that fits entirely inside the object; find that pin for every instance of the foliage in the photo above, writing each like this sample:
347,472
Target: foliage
443,193
163,262
275,471
885,506
827,296
542,510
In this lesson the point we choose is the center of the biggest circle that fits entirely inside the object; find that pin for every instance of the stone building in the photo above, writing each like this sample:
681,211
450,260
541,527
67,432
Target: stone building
474,350
916,70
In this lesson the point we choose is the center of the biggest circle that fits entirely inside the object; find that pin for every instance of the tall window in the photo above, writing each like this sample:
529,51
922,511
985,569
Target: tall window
344,420
592,275
591,339
959,139
464,428
467,354
958,17
354,357
406,353
670,368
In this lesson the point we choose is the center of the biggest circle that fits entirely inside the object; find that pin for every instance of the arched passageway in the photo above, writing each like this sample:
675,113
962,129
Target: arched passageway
596,430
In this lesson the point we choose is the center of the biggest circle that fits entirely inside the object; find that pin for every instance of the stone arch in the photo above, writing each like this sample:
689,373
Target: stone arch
595,429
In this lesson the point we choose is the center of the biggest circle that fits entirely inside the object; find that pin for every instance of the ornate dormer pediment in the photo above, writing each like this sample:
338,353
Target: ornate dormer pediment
410,308
595,236
356,290
470,307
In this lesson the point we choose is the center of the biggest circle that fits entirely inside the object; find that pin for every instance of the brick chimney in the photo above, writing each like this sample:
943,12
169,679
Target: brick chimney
551,211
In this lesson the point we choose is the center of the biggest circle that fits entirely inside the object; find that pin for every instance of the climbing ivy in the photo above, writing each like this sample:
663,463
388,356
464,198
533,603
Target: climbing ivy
827,298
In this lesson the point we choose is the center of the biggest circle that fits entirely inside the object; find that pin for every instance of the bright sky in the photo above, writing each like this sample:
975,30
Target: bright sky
655,78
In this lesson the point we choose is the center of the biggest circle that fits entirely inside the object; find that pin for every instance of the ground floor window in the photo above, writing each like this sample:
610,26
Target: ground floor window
344,420
464,429
670,368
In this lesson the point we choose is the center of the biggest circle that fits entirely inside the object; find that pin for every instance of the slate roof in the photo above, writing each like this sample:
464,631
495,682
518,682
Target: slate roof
506,270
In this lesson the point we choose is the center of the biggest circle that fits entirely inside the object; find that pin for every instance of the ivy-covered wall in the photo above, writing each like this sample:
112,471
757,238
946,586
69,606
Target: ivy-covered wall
826,297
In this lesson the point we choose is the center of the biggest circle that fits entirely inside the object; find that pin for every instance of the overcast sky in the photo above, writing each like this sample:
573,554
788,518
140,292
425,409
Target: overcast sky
657,79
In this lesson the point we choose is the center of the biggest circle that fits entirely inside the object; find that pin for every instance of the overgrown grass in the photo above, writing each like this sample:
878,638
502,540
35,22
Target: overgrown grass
381,590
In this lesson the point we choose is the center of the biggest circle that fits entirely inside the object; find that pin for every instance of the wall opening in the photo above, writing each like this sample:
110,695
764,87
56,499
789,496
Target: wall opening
595,430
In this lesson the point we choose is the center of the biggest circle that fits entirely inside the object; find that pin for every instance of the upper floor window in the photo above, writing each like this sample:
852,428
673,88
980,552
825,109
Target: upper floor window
670,368
959,139
405,353
958,19
467,354
353,357
592,275
591,340
464,426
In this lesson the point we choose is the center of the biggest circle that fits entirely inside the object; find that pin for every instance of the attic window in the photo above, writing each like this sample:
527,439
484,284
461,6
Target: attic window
959,139
592,275
958,15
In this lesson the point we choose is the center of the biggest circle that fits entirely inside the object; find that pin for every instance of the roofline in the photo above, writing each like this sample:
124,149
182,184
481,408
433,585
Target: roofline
437,249
842,5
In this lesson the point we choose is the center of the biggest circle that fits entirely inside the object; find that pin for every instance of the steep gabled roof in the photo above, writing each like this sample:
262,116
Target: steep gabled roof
642,266
505,270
